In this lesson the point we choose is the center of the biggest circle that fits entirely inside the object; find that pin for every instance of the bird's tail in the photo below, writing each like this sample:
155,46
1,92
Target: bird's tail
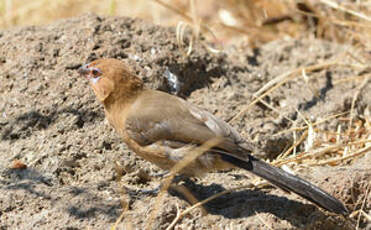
287,182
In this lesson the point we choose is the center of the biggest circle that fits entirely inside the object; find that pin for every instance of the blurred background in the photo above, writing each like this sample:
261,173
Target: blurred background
251,22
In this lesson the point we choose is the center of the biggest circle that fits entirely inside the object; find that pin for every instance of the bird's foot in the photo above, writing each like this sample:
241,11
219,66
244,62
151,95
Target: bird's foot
161,175
150,192
143,192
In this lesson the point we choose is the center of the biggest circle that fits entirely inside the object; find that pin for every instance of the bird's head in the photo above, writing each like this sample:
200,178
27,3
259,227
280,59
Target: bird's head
110,78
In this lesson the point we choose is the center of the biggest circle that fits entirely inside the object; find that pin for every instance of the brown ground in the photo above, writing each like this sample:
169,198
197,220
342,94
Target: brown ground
51,121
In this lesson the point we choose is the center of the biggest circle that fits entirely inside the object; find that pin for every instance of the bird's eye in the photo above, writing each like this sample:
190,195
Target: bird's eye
96,72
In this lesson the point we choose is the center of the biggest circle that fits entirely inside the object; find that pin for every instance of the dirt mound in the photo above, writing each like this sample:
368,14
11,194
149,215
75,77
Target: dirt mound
51,121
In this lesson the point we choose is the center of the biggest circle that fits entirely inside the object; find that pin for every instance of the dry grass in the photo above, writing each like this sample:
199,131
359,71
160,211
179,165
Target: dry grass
334,152
255,22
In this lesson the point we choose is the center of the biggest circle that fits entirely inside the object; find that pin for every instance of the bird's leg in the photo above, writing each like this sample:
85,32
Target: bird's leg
188,195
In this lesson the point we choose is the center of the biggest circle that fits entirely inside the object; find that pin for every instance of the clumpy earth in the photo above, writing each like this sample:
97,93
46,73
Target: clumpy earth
63,167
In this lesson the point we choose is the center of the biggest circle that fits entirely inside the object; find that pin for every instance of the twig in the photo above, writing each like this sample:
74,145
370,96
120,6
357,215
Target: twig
189,196
178,213
355,154
125,205
363,204
368,217
364,83
314,124
118,220
318,152
274,109
302,138
335,5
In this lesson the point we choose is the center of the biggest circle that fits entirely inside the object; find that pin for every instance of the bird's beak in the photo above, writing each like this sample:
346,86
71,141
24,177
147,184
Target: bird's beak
84,70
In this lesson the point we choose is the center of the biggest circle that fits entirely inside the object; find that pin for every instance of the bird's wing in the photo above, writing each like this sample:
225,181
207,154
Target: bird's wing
175,120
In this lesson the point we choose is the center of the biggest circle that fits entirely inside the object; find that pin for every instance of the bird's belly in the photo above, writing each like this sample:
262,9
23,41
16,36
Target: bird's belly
167,157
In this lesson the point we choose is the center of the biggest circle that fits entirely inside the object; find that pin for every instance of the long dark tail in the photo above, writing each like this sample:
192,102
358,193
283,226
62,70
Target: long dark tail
288,182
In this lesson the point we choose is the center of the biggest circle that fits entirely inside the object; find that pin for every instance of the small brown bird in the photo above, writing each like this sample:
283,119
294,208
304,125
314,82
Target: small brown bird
163,129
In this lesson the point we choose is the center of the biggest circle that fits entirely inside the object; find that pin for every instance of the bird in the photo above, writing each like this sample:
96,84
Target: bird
163,128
